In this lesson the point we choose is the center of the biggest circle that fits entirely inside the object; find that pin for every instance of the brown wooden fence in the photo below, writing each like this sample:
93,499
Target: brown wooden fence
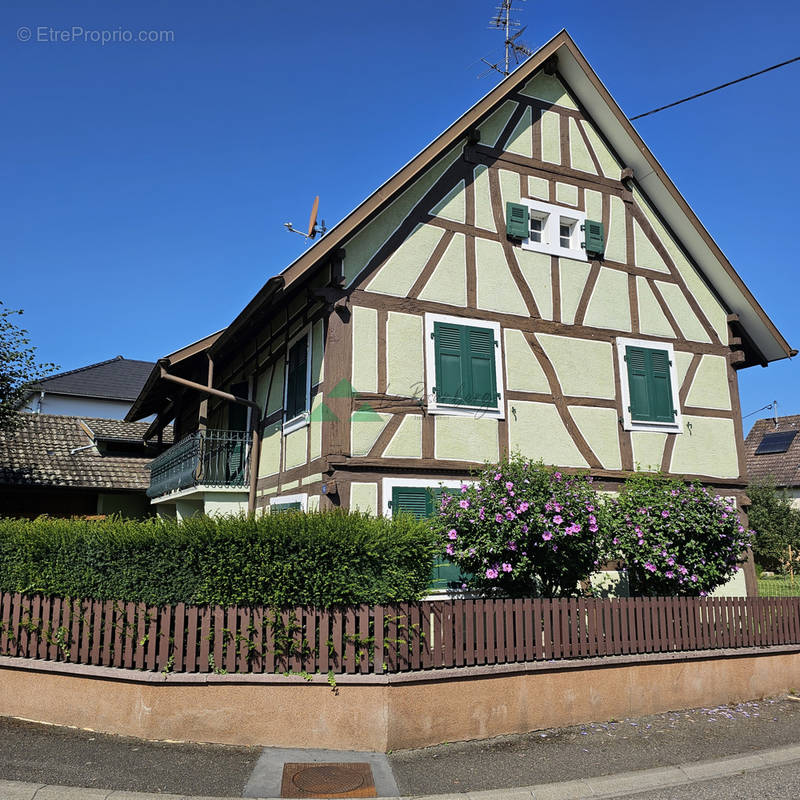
382,639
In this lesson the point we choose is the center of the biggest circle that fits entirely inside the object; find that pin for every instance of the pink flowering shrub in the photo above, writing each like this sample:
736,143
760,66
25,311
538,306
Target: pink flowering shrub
676,538
521,529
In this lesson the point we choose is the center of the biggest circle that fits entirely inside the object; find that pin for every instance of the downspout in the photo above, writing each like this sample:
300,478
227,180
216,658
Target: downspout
255,427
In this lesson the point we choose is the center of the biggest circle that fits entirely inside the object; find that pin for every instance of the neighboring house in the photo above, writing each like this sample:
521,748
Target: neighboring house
69,466
106,389
772,450
532,281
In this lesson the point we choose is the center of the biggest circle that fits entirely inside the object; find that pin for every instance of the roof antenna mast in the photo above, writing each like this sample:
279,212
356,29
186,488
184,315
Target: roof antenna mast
502,20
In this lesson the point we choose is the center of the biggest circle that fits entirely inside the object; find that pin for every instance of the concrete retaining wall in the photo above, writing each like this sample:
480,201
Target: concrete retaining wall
386,712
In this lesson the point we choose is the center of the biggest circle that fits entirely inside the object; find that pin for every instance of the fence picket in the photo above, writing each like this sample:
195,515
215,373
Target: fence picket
192,639
164,635
178,637
417,643
204,657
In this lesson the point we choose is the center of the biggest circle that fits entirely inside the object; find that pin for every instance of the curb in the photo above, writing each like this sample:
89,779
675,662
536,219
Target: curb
605,786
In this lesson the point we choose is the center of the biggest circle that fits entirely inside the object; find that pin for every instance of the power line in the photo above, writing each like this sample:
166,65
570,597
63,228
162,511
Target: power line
716,88
769,407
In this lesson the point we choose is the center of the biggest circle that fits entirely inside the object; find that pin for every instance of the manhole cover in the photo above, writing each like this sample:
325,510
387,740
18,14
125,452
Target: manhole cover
327,780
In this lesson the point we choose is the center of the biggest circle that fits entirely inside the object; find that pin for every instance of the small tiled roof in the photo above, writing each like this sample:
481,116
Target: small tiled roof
116,379
782,469
114,430
39,452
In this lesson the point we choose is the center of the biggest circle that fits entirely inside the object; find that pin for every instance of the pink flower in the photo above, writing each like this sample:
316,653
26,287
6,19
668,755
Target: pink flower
511,546
449,550
510,515
491,573
558,519
498,517
665,513
509,485
547,536
451,534
481,513
557,476
507,567
650,567
523,507
498,476
464,503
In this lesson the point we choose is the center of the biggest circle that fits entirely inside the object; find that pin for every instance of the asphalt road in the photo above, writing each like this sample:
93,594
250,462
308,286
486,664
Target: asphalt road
69,757
777,783
598,749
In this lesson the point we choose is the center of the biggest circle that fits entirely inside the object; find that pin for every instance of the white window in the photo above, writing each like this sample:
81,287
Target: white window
555,230
649,384
463,371
297,382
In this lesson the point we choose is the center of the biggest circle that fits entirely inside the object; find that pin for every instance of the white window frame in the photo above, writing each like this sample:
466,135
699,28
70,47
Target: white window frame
430,370
289,498
302,419
630,424
553,217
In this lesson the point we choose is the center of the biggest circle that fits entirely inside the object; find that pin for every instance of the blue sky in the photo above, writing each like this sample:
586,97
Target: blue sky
145,185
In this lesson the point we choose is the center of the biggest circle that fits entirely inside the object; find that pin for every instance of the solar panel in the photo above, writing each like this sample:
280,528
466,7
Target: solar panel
775,442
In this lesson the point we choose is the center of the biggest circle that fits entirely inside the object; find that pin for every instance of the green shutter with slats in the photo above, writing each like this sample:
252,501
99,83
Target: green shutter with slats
649,384
594,241
517,221
281,508
296,401
465,365
414,500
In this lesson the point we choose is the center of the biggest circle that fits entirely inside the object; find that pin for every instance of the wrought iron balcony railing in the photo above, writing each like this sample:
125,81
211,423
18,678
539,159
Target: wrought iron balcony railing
205,458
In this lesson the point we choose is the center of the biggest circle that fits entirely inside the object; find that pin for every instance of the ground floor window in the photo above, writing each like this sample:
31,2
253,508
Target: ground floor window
423,501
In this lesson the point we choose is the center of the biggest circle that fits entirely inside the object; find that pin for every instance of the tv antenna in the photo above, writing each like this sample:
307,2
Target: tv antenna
313,228
513,47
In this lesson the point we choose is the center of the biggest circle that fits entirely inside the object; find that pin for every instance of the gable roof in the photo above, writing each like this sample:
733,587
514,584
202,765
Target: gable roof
44,451
152,395
782,469
761,338
115,379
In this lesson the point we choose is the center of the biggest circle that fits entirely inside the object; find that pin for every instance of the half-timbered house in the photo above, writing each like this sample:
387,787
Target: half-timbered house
532,281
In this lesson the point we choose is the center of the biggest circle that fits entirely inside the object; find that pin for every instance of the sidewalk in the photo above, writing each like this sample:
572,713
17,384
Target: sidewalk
609,759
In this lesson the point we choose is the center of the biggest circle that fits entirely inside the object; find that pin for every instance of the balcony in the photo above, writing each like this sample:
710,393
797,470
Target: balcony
209,458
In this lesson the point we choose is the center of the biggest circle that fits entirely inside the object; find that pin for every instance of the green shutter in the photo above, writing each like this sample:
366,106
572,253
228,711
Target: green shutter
450,378
594,241
296,401
465,365
517,221
416,500
649,384
482,378
282,508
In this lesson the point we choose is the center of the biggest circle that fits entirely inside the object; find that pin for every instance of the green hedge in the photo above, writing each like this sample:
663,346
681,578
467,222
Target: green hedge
320,559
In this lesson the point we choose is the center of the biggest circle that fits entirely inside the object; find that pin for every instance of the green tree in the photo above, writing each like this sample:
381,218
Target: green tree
776,525
19,367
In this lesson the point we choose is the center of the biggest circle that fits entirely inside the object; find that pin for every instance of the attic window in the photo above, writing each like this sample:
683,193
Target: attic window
775,442
549,228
